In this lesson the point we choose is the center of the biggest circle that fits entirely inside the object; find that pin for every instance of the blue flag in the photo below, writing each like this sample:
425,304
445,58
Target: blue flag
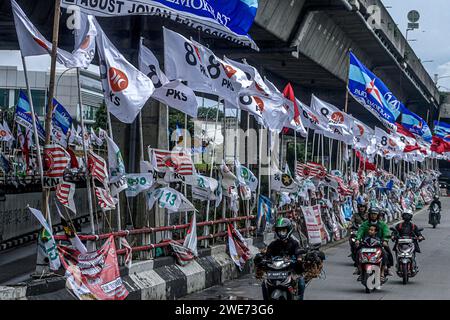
264,210
24,117
442,130
61,118
373,94
415,124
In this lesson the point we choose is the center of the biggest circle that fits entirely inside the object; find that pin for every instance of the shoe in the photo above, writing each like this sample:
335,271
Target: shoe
359,278
356,271
382,279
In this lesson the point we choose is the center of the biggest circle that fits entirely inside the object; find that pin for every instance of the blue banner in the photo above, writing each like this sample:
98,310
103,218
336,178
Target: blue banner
24,117
264,210
228,19
61,118
373,94
415,124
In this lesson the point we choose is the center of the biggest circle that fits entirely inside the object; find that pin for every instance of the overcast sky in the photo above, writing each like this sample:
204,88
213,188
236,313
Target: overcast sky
433,36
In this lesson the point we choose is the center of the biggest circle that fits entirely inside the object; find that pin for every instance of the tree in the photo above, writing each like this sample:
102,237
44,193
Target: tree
101,118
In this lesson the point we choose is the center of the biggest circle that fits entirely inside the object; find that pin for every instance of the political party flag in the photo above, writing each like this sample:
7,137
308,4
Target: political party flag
239,251
190,242
169,199
226,19
94,275
264,211
5,165
282,182
415,124
70,232
172,93
85,41
5,133
295,119
310,170
64,193
33,43
439,145
94,139
138,183
49,243
442,130
245,176
115,161
56,160
126,88
312,120
97,168
388,143
373,94
362,134
203,188
105,200
173,161
23,115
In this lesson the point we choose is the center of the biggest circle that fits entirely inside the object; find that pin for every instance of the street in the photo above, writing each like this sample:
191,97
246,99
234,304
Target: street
338,282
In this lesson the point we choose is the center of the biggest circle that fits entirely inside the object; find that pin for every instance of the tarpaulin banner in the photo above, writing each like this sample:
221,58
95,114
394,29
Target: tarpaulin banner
94,275
312,225
228,19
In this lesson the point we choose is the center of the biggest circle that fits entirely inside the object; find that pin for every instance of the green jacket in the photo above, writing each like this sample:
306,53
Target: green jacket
383,231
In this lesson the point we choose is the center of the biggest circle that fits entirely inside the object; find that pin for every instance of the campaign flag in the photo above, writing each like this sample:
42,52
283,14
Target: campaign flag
228,179
442,130
85,41
61,119
264,211
5,133
415,124
138,183
312,225
439,145
245,176
173,161
97,168
115,161
226,19
126,88
296,120
182,254
238,249
94,139
282,182
105,200
310,170
312,120
172,93
190,242
373,94
56,160
23,115
388,143
70,232
33,43
4,163
64,193
362,134
94,275
49,242
169,199
203,188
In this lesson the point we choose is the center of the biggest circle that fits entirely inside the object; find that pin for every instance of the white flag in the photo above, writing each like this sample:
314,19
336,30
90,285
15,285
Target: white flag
245,176
85,42
138,183
183,61
115,161
126,88
190,241
172,93
388,143
5,133
169,199
33,43
362,134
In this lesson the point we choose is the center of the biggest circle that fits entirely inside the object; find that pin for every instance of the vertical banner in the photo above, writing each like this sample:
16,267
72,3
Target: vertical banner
312,225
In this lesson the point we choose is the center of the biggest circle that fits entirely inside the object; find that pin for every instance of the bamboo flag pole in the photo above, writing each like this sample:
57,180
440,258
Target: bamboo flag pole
313,146
306,145
186,219
119,220
323,158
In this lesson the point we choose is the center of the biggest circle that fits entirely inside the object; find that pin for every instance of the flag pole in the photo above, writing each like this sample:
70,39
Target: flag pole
119,221
306,145
260,144
88,177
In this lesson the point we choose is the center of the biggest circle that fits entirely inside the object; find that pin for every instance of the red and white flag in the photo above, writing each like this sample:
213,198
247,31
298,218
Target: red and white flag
98,168
176,161
56,160
64,193
105,200
310,170
126,88
238,249
190,241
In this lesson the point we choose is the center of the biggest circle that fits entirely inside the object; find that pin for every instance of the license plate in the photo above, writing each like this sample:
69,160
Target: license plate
277,275
369,250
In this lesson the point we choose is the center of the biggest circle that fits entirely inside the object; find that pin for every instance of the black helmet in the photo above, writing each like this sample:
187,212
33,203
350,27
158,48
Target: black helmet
374,210
407,215
283,228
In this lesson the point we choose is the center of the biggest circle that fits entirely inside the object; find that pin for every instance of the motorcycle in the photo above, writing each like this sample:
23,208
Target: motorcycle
352,243
370,261
406,256
434,215
281,283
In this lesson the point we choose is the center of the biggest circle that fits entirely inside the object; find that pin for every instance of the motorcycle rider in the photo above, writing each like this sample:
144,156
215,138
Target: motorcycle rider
383,234
437,202
286,245
408,229
361,215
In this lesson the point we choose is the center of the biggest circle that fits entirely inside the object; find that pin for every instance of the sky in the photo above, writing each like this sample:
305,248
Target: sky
433,35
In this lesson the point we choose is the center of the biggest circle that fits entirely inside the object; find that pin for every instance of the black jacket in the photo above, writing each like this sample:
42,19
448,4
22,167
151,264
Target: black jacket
438,202
291,247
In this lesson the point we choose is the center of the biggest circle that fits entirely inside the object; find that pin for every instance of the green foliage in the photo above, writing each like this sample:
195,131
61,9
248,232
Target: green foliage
290,154
101,118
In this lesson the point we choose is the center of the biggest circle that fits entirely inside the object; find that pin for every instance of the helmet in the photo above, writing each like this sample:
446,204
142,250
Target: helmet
436,197
407,215
374,210
283,228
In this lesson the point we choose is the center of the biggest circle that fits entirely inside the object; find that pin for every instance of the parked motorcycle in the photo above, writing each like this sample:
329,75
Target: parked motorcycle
434,217
370,262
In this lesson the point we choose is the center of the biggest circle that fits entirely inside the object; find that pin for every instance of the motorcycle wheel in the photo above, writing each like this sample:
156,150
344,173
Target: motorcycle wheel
364,281
405,273
434,225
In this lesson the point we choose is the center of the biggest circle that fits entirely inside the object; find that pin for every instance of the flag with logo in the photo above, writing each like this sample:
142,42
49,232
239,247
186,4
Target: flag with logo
115,161
56,160
264,211
49,244
138,183
238,249
415,124
362,134
104,199
169,199
24,117
245,176
203,188
98,168
5,133
226,19
310,170
85,41
442,130
126,89
282,182
179,162
65,192
172,93
190,242
388,144
373,94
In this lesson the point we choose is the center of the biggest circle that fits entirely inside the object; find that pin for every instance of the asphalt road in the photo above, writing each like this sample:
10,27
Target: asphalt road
431,283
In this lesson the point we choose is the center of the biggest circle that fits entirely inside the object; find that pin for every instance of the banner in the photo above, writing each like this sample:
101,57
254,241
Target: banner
312,225
94,275
373,94
227,19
